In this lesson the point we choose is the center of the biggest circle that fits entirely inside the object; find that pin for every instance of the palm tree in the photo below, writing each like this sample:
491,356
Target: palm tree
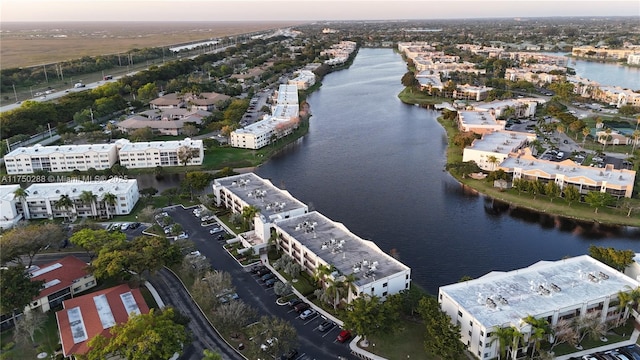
64,203
628,300
350,284
585,132
321,272
248,213
493,160
22,194
90,198
335,290
504,336
109,200
540,328
606,138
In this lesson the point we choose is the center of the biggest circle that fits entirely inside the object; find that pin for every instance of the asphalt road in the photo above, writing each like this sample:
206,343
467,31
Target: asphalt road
313,344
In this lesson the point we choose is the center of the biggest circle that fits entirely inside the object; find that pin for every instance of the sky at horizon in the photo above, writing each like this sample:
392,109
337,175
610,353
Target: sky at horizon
303,10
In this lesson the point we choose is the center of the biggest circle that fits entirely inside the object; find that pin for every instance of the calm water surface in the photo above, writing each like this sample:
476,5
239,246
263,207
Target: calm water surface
606,73
376,165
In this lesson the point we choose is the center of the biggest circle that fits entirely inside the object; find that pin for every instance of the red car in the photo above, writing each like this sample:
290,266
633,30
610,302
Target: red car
344,336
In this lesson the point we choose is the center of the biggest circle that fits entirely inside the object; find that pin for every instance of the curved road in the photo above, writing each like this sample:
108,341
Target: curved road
204,336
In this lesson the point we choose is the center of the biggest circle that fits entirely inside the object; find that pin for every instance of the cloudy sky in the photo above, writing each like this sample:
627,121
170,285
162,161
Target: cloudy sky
305,10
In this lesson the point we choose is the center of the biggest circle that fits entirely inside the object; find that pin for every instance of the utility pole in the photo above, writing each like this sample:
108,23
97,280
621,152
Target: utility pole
49,126
44,67
14,92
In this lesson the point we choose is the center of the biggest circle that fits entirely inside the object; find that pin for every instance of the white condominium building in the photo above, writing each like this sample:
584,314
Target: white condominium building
287,95
60,158
303,80
312,240
479,122
261,133
160,153
493,148
558,292
239,191
8,210
43,200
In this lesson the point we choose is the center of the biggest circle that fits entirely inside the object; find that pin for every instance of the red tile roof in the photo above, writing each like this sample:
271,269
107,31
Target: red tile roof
71,269
91,317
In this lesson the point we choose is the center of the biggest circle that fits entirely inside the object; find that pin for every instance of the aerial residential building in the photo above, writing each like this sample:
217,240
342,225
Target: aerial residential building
339,53
63,279
429,82
616,182
494,147
286,95
303,80
633,59
617,96
479,122
469,92
602,52
43,197
87,316
240,191
169,121
204,101
8,209
558,291
60,158
313,240
160,153
516,108
262,133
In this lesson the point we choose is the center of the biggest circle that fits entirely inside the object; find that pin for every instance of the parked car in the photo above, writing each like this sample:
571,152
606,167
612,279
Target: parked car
301,307
307,314
263,272
343,336
293,302
215,230
220,237
256,268
124,226
289,355
182,235
266,277
326,326
271,282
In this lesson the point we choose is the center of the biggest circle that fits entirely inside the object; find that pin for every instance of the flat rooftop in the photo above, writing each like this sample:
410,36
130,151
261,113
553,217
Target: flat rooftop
572,171
61,149
260,193
501,142
261,127
75,188
540,288
336,245
7,192
160,145
478,118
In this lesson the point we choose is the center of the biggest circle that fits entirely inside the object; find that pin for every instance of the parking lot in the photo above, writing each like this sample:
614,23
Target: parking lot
258,293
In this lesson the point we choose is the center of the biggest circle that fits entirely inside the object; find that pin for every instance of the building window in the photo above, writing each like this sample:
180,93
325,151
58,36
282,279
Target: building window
480,343
384,285
469,332
384,293
471,323
481,333
459,313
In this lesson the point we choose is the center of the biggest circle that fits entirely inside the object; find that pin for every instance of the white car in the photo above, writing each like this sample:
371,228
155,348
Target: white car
307,314
215,230
124,226
269,343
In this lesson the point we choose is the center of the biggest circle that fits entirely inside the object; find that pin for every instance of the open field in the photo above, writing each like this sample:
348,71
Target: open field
30,44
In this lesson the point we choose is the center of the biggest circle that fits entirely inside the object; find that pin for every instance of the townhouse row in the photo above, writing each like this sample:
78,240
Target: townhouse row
67,158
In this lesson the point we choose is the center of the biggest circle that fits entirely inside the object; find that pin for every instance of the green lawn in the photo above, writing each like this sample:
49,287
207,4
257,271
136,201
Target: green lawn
46,340
404,344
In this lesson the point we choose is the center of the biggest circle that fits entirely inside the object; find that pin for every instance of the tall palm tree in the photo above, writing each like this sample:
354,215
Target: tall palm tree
606,138
109,200
64,203
88,197
636,138
493,160
320,273
22,194
350,284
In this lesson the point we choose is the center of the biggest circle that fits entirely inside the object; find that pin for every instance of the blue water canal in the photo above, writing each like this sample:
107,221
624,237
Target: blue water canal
376,165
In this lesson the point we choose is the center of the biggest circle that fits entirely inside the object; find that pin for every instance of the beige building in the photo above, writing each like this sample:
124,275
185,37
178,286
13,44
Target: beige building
494,147
616,182
167,121
60,158
207,101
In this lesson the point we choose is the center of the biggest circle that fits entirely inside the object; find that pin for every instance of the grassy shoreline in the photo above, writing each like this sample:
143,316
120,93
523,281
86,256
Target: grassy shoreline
542,204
